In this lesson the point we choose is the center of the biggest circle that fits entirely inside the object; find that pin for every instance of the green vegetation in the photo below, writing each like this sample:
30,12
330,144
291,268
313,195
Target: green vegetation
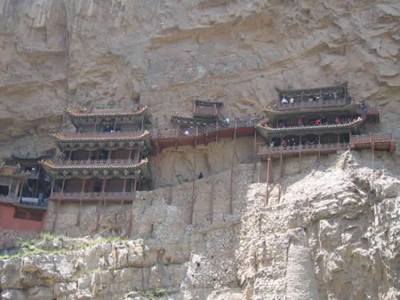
152,295
55,244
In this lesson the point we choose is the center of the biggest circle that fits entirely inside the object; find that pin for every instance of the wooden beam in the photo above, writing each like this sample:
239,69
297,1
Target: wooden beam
280,177
319,147
193,184
52,187
216,132
53,228
177,138
267,188
373,156
171,180
131,213
98,212
232,171
62,186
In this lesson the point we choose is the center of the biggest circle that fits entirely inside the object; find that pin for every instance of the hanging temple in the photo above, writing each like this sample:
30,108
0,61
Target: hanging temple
105,159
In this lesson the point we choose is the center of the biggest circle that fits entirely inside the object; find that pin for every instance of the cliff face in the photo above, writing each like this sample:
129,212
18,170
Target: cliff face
333,235
57,53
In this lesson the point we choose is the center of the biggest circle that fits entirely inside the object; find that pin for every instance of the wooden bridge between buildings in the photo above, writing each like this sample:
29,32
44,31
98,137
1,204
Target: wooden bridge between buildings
176,137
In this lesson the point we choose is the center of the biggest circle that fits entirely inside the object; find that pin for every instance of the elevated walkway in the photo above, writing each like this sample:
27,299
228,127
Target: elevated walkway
203,135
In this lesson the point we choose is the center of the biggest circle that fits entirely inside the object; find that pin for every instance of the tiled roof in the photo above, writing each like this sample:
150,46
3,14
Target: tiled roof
84,113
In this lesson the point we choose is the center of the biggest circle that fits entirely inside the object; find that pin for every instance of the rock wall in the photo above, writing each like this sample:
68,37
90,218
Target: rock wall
58,53
332,235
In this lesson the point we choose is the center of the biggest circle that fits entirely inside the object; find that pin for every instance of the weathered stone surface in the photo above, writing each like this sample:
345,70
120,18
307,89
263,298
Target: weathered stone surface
335,232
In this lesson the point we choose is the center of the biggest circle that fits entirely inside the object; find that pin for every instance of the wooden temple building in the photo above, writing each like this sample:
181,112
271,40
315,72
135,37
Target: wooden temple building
317,121
207,124
103,160
16,211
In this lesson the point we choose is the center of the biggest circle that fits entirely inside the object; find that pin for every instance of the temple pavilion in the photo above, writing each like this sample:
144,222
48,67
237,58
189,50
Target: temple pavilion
16,214
320,120
103,159
317,121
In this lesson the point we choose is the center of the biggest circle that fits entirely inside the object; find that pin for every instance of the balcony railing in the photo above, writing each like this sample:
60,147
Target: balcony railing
373,137
100,135
37,204
224,124
303,148
305,104
91,162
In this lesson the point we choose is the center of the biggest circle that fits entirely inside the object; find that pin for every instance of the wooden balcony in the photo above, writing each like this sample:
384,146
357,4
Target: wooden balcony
312,105
204,134
376,141
267,131
287,151
134,135
64,169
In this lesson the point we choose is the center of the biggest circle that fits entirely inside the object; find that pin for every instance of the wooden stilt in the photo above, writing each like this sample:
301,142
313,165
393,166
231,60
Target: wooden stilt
193,184
171,177
319,147
280,177
216,133
232,172
176,138
373,156
80,202
267,189
78,222
98,216
100,205
131,213
255,150
300,156
53,228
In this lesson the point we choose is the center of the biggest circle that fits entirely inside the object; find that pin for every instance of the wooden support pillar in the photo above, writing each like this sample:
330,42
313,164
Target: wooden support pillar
280,177
95,124
115,124
131,213
193,184
98,215
267,189
216,132
176,138
373,156
171,177
53,228
62,186
100,206
232,171
10,187
35,194
53,182
255,149
300,156
142,123
319,147
80,202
